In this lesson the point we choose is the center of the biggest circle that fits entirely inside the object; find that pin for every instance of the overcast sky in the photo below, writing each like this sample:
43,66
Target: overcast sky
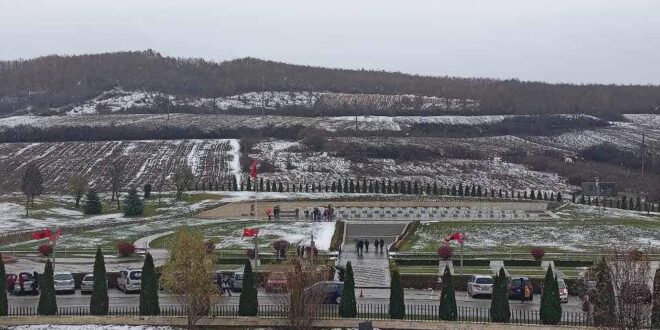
557,41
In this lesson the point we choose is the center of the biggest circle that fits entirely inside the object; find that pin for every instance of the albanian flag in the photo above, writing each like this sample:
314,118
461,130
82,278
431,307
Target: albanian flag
253,169
46,233
456,236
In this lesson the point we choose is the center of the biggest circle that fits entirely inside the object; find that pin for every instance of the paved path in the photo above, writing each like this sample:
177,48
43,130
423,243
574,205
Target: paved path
371,269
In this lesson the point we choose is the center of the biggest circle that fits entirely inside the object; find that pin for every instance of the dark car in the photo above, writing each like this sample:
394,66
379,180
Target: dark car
637,293
515,287
329,292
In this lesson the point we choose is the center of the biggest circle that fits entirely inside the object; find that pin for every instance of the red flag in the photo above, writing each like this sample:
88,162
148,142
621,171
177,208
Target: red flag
253,168
456,236
46,233
250,232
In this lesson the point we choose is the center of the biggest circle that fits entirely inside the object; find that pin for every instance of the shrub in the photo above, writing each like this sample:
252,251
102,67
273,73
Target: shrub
444,252
125,249
45,249
147,191
210,246
537,253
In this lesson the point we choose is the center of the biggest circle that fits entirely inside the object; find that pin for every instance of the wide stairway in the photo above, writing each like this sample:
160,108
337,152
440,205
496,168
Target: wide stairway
371,269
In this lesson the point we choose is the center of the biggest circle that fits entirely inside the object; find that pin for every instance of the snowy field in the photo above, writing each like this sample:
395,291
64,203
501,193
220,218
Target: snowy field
145,161
87,327
118,100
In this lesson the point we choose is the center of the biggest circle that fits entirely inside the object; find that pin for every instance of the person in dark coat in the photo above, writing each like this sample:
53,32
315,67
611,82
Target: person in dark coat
375,245
360,245
35,281
522,290
366,245
382,243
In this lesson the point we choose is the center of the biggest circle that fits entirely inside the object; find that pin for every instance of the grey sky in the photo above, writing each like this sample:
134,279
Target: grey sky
557,41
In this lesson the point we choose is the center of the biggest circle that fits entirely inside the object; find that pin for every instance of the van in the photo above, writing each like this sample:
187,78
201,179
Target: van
129,280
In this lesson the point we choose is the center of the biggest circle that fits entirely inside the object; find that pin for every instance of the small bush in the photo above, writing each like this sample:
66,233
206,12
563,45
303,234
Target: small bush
444,252
522,263
280,246
537,253
45,249
125,249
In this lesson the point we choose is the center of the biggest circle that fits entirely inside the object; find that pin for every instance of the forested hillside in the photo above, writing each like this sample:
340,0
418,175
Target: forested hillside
55,81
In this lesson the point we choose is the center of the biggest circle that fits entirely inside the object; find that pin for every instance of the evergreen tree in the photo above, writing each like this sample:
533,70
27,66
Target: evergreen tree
409,190
588,200
583,200
639,204
631,204
618,204
348,304
346,187
473,191
500,193
249,185
248,304
280,187
448,310
499,303
550,312
604,311
573,198
92,203
428,189
532,195
397,308
559,199
416,188
655,311
382,185
98,304
234,183
133,205
339,188
333,188
395,188
4,306
435,188
460,189
453,190
147,190
261,184
371,187
467,190
624,204
479,192
352,186
149,304
47,300
525,194
364,185
389,186
545,195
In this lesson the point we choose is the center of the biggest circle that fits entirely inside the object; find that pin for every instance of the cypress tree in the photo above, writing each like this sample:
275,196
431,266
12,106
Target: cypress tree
453,190
479,191
395,188
639,204
333,188
460,189
624,204
4,306
428,189
371,187
248,304
346,190
499,303
133,205
435,188
545,196
149,288
559,199
473,191
280,187
378,190
525,194
631,204
573,198
261,184
382,185
467,190
448,310
47,300
604,310
92,203
550,312
98,304
397,308
364,185
249,185
500,193
532,195
583,200
348,305
389,186
416,189
234,184
655,311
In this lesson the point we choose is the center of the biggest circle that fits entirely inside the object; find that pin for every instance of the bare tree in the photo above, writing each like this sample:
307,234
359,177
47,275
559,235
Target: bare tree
183,178
116,178
32,185
78,184
188,273
630,273
301,301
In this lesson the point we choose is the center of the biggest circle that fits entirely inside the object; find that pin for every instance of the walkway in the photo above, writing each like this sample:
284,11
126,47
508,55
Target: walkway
371,269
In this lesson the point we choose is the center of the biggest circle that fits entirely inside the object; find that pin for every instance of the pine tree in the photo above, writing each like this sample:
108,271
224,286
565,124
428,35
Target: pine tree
499,303
435,188
467,191
550,312
448,311
133,205
4,306
573,198
453,190
397,308
92,203
655,312
333,188
460,189
532,195
149,304
98,304
47,300
559,199
248,304
348,305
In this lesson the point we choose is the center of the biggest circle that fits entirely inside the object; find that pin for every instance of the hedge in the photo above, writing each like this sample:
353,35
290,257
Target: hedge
522,263
471,262
574,263
416,262
338,236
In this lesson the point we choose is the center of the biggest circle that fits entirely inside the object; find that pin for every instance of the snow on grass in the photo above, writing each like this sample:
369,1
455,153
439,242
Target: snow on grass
561,235
229,235
88,327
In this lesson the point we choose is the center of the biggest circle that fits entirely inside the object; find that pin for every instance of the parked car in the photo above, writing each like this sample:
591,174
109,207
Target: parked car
515,285
563,290
87,284
480,285
238,281
25,284
636,293
129,280
328,291
276,281
64,283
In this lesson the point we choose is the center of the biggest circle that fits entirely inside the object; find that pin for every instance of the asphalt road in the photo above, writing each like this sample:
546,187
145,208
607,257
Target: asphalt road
370,296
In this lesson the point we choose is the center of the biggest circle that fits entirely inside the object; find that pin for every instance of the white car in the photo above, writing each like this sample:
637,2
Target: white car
480,285
129,280
64,282
563,290
87,284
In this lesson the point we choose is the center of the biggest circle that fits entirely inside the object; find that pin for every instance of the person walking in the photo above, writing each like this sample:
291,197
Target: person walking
360,246
376,245
35,281
224,285
382,243
366,245
522,290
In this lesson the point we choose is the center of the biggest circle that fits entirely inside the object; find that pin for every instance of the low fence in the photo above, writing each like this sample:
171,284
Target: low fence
414,312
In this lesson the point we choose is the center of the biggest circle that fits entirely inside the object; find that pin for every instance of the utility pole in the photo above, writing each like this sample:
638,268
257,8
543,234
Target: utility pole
600,210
